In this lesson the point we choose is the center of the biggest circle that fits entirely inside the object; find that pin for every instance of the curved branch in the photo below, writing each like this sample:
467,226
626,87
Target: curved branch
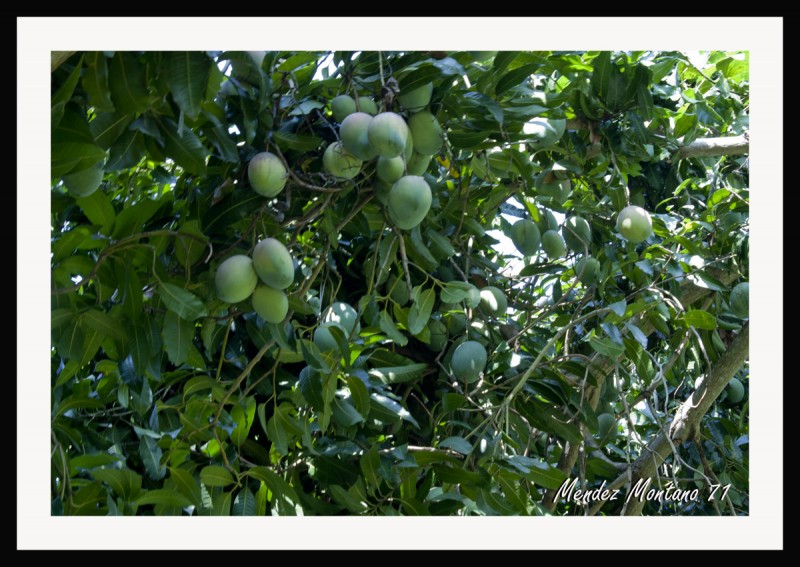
601,366
689,414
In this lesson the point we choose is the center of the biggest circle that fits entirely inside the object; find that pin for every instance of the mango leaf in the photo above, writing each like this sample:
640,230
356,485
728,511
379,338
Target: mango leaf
163,496
95,81
128,83
215,475
187,74
104,323
421,309
151,454
221,503
291,141
398,374
73,157
387,326
64,93
126,151
606,347
515,77
359,395
186,304
244,504
177,334
601,75
184,147
76,402
98,209
124,482
344,413
699,319
91,461
187,484
283,495
457,444
392,407
244,417
420,77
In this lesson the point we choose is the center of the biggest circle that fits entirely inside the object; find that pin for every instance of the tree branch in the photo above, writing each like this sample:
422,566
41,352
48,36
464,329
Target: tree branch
687,419
601,366
706,147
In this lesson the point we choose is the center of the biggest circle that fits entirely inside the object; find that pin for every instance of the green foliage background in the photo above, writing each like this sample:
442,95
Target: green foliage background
168,401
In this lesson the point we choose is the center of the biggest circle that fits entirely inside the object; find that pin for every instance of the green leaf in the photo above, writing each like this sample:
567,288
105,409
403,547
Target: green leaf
244,417
702,279
184,147
546,476
187,484
244,504
215,475
420,251
98,209
222,141
699,319
151,454
127,81
344,413
282,492
126,151
291,141
107,127
60,317
163,496
104,323
601,76
359,395
91,461
124,482
387,326
77,402
186,304
421,309
91,344
466,139
350,502
543,416
618,307
177,334
606,347
64,93
387,404
370,464
637,334
95,81
73,157
457,444
306,107
515,77
398,374
420,77
222,504
278,435
187,74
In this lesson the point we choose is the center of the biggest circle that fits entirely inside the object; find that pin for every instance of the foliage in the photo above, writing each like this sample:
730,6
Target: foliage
166,400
